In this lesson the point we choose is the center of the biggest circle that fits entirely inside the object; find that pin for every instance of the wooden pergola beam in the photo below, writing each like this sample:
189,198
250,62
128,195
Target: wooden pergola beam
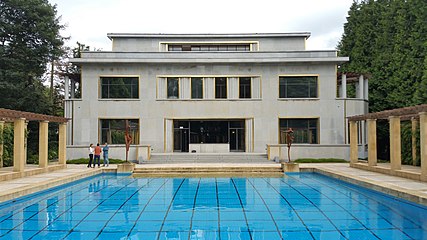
405,113
8,115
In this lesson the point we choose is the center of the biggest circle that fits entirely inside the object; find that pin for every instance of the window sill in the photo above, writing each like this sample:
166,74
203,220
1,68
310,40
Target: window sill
298,99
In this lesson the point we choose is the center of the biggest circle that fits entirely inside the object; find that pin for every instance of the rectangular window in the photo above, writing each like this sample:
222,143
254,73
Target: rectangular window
113,130
209,47
221,87
173,88
245,87
120,87
298,87
305,130
196,88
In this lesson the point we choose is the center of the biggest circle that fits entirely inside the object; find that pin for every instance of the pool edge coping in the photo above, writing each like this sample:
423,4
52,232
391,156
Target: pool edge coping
382,187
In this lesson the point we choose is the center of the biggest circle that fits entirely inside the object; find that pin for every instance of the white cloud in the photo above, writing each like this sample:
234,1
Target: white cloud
89,21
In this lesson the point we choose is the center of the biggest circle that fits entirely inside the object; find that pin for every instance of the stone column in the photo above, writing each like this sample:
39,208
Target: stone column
18,145
395,143
344,86
361,86
73,89
26,142
43,144
1,143
423,144
62,143
366,89
372,142
353,142
414,123
66,88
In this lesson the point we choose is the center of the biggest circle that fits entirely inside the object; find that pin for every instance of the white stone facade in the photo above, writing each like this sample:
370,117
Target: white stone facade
267,57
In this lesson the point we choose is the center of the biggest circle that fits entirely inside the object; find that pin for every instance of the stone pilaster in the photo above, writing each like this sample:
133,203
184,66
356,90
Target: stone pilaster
395,143
62,143
1,143
414,123
423,144
344,86
353,142
19,145
43,144
372,142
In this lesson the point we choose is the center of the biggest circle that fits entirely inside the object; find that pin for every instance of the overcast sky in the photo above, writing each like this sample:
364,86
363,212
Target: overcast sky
89,21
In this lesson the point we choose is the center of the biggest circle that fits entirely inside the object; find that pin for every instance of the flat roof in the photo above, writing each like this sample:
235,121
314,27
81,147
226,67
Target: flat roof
207,35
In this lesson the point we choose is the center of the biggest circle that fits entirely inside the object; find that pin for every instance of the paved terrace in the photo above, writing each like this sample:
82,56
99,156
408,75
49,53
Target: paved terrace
401,187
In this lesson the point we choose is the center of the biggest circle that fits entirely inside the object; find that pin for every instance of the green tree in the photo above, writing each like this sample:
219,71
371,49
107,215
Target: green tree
388,40
29,39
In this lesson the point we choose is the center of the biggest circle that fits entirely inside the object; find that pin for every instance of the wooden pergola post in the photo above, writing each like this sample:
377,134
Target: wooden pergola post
43,143
62,143
19,145
414,123
354,155
1,142
395,143
372,142
423,143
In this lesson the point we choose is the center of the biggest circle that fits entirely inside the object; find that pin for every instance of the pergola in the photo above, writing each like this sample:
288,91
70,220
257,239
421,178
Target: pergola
19,120
417,114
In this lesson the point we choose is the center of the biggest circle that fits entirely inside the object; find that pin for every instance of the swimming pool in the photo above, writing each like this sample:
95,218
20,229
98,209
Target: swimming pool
296,206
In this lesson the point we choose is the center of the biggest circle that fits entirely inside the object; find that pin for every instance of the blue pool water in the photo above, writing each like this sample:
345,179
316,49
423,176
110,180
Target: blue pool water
297,206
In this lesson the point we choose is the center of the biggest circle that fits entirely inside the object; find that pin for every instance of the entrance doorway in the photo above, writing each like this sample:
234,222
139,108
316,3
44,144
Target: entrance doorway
180,138
231,132
237,136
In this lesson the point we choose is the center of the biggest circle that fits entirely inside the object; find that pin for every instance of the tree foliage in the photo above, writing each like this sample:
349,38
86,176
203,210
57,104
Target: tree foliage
388,40
29,39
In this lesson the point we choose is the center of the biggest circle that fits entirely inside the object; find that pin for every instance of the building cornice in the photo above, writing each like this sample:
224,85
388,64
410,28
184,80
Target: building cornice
208,35
209,57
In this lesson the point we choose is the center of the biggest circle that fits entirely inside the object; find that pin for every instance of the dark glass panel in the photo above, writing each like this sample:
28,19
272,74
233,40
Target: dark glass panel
245,87
172,86
220,87
298,87
196,88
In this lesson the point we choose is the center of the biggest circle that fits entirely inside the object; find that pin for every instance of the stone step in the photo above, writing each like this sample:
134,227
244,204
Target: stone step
208,157
264,169
208,171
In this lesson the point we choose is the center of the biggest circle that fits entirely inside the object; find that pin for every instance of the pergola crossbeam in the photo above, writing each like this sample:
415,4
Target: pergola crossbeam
405,113
8,115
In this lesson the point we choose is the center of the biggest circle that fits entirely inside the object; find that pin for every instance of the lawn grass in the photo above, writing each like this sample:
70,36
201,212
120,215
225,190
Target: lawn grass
320,160
86,161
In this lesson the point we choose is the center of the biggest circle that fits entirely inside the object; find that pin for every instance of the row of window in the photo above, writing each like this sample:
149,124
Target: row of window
305,130
209,47
197,84
289,87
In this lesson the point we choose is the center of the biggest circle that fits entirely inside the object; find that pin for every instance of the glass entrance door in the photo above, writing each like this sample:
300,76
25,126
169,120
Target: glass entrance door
180,140
237,139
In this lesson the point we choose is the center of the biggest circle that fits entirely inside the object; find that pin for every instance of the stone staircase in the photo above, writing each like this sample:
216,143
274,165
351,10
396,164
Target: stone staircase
192,165
162,158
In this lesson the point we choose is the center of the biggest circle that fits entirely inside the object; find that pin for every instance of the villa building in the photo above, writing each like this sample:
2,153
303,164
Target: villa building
212,93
